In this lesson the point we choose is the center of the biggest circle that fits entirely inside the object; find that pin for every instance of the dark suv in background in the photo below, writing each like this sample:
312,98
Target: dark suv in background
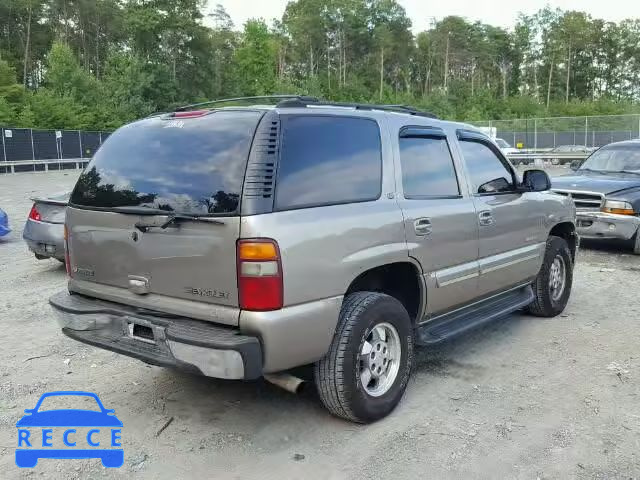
606,191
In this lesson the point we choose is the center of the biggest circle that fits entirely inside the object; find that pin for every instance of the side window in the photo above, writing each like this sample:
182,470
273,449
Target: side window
328,160
427,168
488,173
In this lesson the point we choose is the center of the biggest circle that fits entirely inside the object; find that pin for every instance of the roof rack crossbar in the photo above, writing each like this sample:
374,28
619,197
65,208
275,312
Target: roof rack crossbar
303,98
297,102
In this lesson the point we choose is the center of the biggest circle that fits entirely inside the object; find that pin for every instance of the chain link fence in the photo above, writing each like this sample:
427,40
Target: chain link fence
549,133
28,150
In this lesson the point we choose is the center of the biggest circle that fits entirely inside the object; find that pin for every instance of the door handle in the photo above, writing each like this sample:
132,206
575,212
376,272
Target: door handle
422,226
485,217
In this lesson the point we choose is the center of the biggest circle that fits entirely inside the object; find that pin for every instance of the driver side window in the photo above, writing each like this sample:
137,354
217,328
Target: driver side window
488,173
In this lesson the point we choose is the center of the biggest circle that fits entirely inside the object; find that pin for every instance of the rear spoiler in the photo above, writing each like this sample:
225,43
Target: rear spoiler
49,201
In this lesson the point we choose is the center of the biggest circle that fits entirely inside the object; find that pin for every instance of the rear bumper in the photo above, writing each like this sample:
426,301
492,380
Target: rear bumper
43,238
198,346
594,225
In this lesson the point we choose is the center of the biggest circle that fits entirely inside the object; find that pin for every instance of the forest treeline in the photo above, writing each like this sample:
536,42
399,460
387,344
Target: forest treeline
96,64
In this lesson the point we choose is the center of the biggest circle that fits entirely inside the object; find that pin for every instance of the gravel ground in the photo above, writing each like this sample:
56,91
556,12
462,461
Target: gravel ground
523,398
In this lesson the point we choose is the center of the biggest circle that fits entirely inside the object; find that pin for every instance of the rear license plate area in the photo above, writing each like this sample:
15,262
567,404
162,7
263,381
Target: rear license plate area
141,333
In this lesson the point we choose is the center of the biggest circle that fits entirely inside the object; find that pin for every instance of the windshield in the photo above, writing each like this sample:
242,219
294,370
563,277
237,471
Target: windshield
614,159
192,166
501,143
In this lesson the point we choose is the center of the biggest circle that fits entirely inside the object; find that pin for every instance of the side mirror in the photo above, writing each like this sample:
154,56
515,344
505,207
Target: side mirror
536,181
496,185
575,165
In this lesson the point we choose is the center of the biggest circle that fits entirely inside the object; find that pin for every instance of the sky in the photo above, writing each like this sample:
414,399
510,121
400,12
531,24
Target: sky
502,13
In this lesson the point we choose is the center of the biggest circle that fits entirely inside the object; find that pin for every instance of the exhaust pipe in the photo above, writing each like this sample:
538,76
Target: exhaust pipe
286,381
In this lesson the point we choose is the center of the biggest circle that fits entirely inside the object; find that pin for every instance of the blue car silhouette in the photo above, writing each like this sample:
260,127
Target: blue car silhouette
4,224
28,457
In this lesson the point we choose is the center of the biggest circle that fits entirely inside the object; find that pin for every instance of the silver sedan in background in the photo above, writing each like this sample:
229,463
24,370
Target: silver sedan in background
44,230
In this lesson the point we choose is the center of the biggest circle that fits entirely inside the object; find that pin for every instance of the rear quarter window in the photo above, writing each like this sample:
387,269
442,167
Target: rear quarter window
328,160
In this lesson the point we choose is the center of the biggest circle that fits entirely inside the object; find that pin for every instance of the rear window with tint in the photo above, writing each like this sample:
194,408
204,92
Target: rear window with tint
328,160
192,166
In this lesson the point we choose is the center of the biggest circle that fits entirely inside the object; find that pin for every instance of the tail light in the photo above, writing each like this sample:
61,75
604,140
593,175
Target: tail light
34,214
67,259
259,275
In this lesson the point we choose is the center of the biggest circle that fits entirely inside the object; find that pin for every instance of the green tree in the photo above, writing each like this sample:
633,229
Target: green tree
100,63
6,112
255,60
64,75
128,87
26,118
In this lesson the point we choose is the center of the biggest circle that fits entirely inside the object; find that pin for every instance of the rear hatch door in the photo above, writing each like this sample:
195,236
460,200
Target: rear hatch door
154,219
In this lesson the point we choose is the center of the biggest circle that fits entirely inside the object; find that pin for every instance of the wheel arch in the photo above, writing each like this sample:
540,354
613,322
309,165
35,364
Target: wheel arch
402,280
567,231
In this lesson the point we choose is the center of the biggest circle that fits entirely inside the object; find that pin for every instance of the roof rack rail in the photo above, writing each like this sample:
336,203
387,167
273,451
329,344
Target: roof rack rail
280,98
302,102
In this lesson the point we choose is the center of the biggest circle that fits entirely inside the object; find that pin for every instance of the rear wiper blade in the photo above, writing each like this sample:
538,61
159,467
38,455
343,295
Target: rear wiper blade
176,217
173,218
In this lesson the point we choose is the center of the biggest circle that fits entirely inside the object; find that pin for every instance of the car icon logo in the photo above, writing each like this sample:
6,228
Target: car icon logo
69,433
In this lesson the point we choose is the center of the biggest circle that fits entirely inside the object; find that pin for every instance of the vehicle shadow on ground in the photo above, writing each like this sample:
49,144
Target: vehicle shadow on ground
212,400
611,255
454,357
606,246
55,266
8,239
610,246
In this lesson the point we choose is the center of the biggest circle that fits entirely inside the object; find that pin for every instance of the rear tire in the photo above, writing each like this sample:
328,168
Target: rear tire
552,287
365,318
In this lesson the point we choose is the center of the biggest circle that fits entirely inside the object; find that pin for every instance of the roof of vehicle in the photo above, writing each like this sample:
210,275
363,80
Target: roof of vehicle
303,104
372,111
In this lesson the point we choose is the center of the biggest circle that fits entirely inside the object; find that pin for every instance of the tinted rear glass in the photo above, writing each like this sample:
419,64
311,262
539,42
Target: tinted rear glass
328,160
427,168
193,166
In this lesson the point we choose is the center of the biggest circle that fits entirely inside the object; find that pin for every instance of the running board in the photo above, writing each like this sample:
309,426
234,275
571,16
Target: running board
455,323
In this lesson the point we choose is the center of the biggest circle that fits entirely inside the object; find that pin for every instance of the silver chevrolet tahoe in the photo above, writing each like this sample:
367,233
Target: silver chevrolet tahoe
240,242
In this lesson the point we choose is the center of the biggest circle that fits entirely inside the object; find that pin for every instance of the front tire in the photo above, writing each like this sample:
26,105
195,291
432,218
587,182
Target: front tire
552,287
636,243
365,373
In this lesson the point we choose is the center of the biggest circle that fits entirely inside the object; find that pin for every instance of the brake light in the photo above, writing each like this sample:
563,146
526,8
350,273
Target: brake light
67,258
259,275
191,114
34,214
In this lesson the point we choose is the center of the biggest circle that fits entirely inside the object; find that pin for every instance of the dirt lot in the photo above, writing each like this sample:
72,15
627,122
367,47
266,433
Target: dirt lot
523,398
